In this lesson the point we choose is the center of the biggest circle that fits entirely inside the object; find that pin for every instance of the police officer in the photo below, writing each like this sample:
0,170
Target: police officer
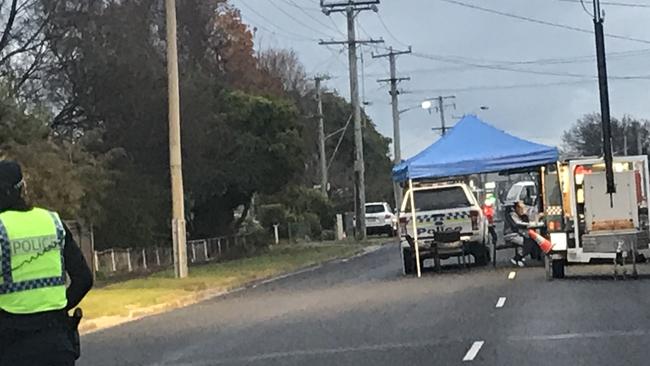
36,252
515,232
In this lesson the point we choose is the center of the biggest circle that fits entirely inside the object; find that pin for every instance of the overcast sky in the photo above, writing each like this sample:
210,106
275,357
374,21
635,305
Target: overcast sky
462,51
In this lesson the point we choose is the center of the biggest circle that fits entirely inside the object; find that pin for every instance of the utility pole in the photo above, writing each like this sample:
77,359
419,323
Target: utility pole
624,139
175,162
604,99
397,151
441,108
321,138
351,8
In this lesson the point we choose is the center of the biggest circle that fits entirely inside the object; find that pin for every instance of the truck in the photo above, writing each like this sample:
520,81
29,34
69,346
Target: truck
584,223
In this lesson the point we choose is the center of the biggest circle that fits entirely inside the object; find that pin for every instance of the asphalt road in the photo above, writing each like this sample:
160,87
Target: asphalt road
364,312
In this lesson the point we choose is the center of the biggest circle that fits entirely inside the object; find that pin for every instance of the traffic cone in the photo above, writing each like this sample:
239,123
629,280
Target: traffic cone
544,244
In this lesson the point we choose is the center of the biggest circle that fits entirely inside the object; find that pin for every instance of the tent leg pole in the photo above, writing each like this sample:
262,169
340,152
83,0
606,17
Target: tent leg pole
415,229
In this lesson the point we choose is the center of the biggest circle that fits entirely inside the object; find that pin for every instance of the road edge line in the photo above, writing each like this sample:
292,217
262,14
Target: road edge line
93,326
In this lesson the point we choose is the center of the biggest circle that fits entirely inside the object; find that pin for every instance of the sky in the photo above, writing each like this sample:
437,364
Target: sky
536,79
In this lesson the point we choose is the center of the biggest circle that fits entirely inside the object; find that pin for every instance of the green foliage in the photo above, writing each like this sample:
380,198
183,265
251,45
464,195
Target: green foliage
313,222
60,176
95,145
17,124
302,202
584,138
272,214
138,211
254,147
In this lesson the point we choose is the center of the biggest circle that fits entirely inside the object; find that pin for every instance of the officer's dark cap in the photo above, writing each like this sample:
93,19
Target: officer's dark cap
10,173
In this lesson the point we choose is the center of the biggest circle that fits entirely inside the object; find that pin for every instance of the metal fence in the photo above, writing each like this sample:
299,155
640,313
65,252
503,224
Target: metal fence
112,262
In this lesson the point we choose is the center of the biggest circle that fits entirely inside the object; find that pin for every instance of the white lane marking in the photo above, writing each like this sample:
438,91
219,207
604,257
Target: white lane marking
587,335
321,352
473,351
511,275
501,302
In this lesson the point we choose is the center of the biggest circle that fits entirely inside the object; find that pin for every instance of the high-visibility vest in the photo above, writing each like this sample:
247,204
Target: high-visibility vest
31,258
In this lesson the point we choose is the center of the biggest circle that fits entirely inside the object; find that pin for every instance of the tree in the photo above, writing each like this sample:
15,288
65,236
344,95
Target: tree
584,138
247,119
235,142
255,148
60,176
23,43
283,65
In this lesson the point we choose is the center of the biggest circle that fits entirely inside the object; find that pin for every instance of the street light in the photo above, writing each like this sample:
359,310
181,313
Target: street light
402,111
428,104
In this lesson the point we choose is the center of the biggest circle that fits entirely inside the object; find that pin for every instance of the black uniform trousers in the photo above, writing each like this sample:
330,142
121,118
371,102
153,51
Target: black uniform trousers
25,344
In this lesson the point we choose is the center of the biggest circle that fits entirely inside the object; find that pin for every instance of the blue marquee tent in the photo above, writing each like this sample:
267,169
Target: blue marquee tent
473,147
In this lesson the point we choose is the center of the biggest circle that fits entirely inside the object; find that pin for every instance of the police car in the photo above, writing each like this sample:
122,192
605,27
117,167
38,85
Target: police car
443,207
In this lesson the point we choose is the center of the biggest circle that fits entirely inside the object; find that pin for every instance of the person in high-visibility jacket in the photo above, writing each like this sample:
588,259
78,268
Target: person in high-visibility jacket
36,252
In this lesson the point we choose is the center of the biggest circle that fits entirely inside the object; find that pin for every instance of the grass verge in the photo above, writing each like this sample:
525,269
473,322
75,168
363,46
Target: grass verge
121,298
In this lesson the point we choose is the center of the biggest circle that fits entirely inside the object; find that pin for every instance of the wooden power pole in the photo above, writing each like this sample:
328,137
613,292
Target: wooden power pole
175,160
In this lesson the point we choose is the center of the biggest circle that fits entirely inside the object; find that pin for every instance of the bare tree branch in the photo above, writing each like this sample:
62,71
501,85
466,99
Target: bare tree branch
32,68
26,46
4,41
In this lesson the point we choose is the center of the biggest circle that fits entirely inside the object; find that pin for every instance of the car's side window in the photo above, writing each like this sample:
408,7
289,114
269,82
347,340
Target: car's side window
523,194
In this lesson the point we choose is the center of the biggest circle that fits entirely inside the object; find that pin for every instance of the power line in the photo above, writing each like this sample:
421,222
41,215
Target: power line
468,65
514,69
539,21
629,5
495,66
304,9
297,20
540,61
390,34
287,36
584,7
338,54
518,86
290,34
327,63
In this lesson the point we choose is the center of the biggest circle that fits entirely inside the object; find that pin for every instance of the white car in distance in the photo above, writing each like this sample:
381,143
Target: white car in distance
380,219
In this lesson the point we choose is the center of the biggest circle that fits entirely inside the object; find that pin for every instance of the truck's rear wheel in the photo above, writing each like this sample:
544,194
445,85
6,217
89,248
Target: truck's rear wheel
557,268
409,262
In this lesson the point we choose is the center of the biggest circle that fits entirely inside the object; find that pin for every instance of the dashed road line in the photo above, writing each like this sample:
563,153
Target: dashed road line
511,275
501,302
473,351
